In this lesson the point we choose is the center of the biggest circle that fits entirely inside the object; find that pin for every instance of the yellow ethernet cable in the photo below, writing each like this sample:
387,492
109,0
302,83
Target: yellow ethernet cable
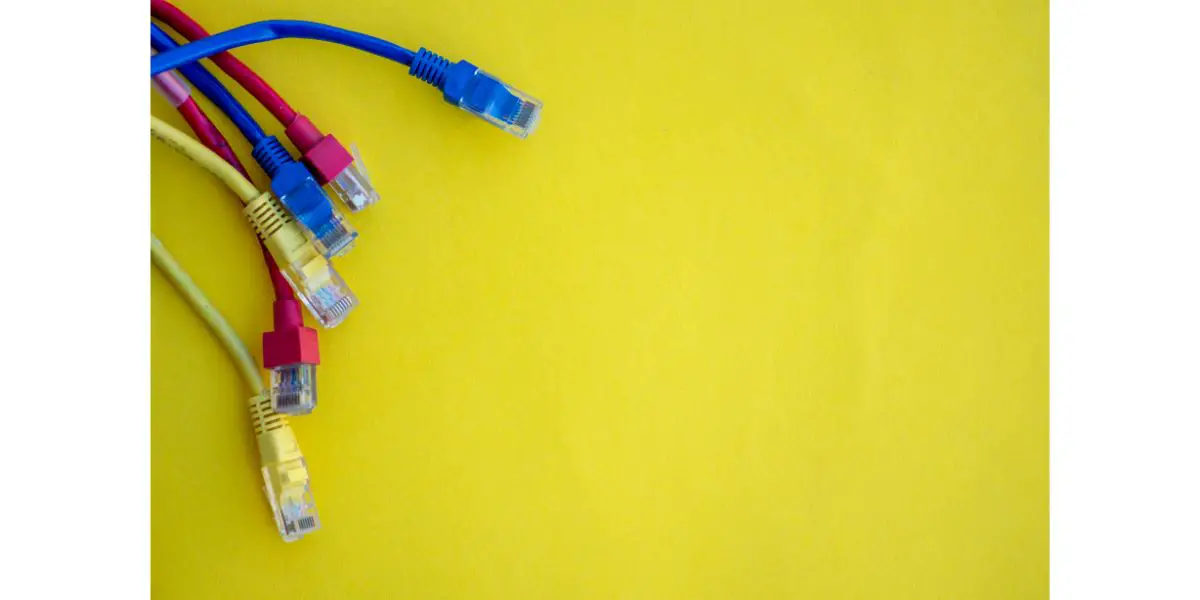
284,471
199,302
207,159
319,286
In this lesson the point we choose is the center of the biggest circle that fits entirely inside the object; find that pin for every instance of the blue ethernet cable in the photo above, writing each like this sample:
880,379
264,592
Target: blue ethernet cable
291,181
462,83
266,31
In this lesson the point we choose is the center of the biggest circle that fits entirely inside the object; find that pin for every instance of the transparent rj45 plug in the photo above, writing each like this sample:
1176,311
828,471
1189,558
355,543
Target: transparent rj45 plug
335,235
353,185
291,499
501,105
294,388
321,290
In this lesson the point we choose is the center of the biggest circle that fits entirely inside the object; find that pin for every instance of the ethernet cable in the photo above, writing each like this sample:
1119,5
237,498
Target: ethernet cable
179,278
284,470
324,155
307,270
290,350
290,181
462,83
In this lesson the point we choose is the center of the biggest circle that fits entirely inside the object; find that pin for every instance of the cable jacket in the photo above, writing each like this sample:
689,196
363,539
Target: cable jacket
200,304
207,159
237,70
266,31
283,289
209,135
206,84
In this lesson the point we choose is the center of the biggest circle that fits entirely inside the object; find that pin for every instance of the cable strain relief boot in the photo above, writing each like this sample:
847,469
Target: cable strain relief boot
303,133
290,343
270,154
430,67
264,419
267,217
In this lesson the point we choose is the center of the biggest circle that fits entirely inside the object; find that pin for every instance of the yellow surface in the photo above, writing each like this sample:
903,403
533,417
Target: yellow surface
760,311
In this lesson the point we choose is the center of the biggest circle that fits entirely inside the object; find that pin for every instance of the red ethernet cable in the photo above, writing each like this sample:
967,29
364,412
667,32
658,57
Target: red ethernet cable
324,155
290,351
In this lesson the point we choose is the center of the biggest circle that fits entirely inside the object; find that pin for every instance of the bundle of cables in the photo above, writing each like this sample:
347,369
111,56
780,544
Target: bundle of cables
299,228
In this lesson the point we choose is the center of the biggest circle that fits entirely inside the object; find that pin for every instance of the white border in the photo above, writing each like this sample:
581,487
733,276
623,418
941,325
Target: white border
75,295
1125,300
1125,335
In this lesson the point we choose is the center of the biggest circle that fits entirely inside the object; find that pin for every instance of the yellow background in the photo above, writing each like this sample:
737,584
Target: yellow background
760,311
